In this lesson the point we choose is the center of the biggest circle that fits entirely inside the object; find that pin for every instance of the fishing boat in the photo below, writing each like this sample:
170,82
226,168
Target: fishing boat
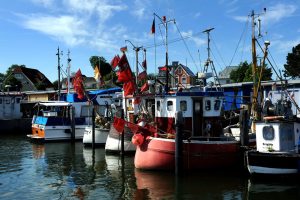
275,125
60,121
205,146
199,114
277,139
106,103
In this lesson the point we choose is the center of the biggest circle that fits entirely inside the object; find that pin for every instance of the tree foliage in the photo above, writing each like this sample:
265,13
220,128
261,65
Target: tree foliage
244,73
292,66
105,67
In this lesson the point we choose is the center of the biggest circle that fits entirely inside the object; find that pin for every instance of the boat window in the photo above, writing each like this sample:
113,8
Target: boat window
86,111
217,104
12,100
183,106
7,101
268,133
170,105
0,100
158,105
207,105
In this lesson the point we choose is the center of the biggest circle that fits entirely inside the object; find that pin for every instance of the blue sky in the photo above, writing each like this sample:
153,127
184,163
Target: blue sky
31,31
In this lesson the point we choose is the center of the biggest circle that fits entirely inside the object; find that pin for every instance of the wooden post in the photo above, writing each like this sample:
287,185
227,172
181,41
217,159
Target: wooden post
73,124
93,128
244,128
122,135
178,144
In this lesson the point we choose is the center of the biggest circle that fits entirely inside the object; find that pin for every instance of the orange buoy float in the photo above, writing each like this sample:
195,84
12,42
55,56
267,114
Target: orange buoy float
137,139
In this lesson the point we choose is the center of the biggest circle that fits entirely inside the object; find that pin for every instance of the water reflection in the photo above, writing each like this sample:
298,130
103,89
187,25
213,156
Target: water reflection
70,171
157,185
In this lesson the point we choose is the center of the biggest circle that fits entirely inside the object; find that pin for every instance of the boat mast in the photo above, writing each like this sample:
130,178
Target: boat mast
58,68
68,71
254,108
136,49
165,22
209,62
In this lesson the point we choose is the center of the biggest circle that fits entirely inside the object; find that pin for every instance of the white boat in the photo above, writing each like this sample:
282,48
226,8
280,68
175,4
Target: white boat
55,121
100,136
106,102
277,139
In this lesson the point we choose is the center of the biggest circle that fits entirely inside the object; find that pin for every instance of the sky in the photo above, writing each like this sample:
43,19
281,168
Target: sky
32,30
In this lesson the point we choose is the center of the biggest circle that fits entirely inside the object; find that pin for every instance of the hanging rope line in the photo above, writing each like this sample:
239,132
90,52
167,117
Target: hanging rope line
243,35
186,46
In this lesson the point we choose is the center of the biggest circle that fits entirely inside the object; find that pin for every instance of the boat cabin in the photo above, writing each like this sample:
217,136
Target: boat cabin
201,112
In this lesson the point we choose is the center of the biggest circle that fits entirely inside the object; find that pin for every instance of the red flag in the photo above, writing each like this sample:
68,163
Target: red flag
144,64
137,100
123,62
124,75
78,84
119,124
145,87
142,75
153,27
115,61
133,127
163,68
129,88
123,49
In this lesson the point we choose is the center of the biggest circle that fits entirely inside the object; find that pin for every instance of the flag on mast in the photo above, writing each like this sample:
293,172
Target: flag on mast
153,27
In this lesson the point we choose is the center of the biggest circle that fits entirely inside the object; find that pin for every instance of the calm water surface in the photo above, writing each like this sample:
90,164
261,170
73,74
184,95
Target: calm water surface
70,171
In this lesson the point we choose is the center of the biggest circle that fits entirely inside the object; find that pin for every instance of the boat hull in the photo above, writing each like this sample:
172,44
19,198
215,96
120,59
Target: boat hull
113,142
100,136
159,154
55,133
273,163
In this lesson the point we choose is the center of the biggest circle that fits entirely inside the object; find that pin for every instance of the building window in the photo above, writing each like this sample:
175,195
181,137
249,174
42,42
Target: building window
170,105
183,79
179,70
183,105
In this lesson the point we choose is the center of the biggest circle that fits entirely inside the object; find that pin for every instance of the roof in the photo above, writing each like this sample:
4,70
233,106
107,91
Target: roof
34,75
188,70
226,72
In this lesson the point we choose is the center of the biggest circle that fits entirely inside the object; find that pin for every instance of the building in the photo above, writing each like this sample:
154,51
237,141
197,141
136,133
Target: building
31,79
224,76
180,75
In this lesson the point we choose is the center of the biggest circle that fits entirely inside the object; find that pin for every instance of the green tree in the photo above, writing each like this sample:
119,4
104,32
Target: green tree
239,74
105,67
244,73
292,66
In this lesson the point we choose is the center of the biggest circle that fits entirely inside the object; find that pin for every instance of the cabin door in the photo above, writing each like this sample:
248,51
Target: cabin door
197,117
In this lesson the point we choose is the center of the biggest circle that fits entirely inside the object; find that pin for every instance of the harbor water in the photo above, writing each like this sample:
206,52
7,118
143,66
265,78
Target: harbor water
70,171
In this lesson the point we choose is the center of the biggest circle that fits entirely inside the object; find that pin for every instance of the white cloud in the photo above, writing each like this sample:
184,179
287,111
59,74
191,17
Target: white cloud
273,14
285,46
140,8
198,41
69,29
278,12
